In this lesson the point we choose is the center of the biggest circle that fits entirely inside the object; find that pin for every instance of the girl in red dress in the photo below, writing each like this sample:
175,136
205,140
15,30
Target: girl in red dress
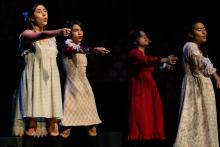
145,107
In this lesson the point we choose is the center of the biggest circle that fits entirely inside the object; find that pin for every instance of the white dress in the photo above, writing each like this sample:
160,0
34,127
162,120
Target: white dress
198,118
79,102
39,92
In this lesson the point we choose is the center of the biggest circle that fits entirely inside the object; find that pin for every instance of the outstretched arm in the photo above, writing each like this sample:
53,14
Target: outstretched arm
138,58
30,35
70,47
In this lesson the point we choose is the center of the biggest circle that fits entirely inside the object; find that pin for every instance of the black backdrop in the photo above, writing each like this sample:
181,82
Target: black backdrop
107,23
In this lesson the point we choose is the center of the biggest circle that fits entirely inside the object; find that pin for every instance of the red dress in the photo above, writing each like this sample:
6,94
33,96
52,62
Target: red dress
145,107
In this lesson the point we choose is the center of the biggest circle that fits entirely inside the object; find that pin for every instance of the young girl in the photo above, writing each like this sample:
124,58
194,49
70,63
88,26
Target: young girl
198,118
79,102
38,97
145,107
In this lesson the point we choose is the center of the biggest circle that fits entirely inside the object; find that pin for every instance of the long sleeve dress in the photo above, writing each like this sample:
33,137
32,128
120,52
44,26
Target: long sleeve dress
198,118
79,101
145,107
39,91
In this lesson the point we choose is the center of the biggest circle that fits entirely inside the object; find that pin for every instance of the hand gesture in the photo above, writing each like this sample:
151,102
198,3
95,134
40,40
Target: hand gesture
171,59
65,32
166,67
101,50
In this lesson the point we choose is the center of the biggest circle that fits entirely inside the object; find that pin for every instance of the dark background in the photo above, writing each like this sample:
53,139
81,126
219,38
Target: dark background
107,23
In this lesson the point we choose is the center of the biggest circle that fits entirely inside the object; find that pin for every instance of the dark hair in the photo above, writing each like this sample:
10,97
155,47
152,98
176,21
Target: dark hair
71,23
30,12
203,49
190,37
191,29
133,36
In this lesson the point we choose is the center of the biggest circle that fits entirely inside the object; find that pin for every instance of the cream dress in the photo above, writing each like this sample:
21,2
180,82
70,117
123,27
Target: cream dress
39,92
79,102
198,118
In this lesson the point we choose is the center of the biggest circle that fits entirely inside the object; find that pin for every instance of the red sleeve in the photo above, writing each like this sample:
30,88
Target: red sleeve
68,50
136,57
71,48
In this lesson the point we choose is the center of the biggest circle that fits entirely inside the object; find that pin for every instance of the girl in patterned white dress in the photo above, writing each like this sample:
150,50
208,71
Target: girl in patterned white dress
79,102
198,118
38,98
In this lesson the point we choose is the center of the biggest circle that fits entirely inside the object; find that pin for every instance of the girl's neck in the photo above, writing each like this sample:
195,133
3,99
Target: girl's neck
141,48
37,29
198,43
76,42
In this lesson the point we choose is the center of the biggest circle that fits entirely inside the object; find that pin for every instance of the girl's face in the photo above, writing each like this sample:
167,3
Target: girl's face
143,40
199,33
76,33
40,16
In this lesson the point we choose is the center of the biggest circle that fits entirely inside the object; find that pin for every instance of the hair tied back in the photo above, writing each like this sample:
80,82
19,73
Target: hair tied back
26,15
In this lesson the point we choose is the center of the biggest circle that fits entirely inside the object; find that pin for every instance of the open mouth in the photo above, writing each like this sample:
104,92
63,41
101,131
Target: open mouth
45,19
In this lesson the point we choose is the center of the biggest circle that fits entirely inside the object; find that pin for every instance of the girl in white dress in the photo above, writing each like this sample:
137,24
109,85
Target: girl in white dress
79,102
38,98
198,118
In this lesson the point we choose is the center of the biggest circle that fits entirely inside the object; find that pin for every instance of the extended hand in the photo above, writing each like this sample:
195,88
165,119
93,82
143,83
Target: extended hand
66,31
101,50
172,59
